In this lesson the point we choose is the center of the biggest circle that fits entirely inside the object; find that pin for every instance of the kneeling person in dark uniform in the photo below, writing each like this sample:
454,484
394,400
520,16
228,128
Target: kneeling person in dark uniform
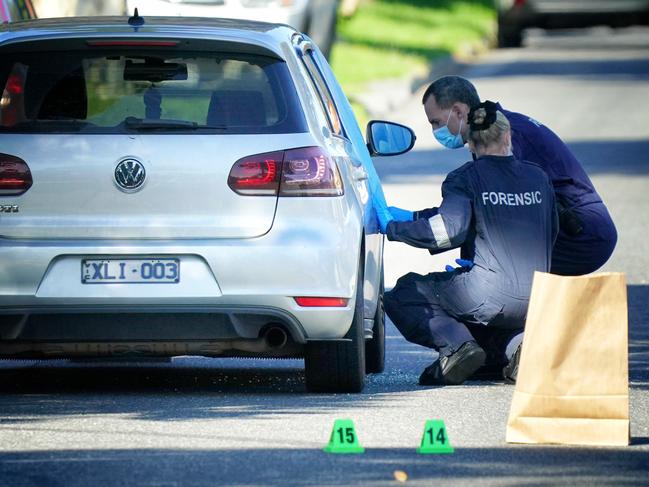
501,212
587,234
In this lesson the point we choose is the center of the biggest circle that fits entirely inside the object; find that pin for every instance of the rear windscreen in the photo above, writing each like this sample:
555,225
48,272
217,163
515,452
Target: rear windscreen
146,91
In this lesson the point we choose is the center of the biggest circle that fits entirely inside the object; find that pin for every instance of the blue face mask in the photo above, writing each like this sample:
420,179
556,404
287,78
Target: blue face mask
446,138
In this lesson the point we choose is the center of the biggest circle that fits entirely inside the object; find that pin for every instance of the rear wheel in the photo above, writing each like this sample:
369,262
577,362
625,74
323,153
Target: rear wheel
375,348
339,366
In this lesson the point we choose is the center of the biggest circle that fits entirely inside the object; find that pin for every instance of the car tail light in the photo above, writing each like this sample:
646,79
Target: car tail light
307,171
15,176
14,84
315,302
257,175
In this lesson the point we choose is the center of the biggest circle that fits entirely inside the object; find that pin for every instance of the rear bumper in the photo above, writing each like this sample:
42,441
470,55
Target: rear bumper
56,332
154,330
103,330
229,289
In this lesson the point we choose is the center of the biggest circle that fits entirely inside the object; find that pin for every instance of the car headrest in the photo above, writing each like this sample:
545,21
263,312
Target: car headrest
237,108
67,99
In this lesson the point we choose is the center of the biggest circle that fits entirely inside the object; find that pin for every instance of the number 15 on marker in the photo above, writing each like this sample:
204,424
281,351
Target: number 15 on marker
346,435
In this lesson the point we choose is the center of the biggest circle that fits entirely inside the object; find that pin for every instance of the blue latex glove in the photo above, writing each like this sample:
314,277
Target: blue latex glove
385,217
401,215
463,263
378,198
374,182
376,192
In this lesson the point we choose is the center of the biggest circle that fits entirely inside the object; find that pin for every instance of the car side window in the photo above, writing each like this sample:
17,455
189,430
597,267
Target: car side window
347,117
324,94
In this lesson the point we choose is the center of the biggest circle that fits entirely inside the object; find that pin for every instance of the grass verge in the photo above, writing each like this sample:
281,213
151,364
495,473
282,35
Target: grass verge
400,38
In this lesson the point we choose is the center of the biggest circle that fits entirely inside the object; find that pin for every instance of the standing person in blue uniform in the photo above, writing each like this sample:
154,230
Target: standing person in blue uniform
587,234
501,212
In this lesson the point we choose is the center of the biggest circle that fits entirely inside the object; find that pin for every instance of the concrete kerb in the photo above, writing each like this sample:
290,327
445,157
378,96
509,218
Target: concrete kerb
381,98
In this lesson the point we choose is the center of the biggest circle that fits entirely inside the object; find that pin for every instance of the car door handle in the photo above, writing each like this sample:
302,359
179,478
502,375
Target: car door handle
359,174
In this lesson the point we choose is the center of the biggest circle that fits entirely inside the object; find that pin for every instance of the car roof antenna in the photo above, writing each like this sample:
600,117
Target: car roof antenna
136,20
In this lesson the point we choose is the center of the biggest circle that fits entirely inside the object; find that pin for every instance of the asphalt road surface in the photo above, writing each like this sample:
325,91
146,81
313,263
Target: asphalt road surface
250,422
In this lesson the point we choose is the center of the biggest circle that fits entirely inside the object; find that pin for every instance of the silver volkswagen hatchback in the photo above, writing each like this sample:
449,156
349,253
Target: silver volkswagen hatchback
186,187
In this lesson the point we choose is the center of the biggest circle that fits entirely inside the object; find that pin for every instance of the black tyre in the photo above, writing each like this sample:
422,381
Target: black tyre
375,348
339,366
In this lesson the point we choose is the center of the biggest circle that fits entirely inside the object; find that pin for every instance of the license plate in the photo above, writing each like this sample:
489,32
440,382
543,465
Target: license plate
122,271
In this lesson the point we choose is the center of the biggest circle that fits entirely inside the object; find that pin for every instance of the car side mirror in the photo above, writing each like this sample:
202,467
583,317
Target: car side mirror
389,138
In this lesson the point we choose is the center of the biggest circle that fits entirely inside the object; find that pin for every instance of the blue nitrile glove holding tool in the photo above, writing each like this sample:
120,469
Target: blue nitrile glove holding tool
463,263
401,215
384,213
378,198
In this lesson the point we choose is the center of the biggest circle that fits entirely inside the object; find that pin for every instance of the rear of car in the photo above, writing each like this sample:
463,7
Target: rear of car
169,190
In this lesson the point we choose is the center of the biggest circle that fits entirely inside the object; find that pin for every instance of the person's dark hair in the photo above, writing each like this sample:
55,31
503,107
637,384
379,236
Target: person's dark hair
482,116
487,124
450,89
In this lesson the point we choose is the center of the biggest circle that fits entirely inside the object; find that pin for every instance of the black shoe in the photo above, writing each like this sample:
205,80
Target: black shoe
488,372
510,371
454,369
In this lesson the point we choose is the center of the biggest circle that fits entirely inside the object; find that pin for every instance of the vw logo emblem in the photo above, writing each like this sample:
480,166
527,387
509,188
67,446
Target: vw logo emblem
130,175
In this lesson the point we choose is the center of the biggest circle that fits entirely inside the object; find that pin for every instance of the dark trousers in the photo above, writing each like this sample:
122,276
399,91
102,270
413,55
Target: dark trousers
439,311
575,255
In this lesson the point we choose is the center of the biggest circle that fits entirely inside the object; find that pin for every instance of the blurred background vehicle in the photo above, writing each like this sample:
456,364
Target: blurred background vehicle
78,8
12,10
514,16
316,18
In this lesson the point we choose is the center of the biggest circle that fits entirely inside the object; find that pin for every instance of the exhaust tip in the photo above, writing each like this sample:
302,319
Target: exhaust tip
275,336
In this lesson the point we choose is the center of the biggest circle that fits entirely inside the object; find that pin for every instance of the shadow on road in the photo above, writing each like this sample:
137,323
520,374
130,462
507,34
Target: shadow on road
227,388
638,297
196,387
492,466
193,387
162,393
600,157
595,70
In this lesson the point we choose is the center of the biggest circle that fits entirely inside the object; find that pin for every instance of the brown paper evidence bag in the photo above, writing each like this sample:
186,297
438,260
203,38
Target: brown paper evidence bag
573,382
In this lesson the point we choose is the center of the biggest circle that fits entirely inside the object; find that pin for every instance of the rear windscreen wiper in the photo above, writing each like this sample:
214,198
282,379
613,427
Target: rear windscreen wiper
166,124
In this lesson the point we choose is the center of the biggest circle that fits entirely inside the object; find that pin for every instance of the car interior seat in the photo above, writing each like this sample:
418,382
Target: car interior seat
237,108
66,99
